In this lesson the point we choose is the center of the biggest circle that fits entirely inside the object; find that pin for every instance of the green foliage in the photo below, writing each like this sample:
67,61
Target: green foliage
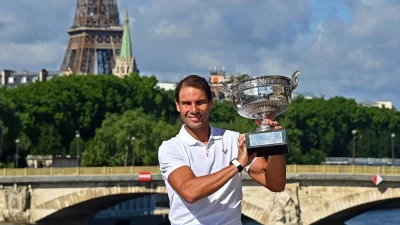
49,142
77,146
113,142
8,165
326,125
107,111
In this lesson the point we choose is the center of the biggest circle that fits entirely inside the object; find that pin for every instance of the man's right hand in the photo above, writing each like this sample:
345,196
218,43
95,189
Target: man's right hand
243,156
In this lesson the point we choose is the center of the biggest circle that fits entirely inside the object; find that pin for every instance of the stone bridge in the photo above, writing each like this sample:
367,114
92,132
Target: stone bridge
309,198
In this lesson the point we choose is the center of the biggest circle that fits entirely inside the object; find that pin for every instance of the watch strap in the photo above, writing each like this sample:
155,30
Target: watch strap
236,163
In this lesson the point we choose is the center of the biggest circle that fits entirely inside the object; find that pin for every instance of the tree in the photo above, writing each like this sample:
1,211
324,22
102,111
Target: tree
77,144
108,111
112,145
49,142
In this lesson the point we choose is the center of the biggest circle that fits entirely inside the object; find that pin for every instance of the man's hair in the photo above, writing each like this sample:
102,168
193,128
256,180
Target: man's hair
194,81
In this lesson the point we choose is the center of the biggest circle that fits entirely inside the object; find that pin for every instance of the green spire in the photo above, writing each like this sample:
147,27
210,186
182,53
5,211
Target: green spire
126,51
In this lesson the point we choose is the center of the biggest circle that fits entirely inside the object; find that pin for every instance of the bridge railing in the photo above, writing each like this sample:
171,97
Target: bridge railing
343,169
299,169
73,171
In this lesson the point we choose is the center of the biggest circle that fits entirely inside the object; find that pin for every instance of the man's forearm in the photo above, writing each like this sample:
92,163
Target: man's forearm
199,187
275,173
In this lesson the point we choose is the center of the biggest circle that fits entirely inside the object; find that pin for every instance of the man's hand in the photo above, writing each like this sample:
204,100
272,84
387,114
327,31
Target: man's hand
270,121
243,156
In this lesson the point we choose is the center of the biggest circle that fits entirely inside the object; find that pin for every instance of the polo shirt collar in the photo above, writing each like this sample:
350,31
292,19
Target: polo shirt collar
190,140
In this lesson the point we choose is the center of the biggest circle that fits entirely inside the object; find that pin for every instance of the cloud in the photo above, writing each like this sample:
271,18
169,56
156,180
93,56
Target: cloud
169,30
203,59
347,48
27,56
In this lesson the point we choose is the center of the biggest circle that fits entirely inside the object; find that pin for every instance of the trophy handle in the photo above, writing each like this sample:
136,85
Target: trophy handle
227,91
295,79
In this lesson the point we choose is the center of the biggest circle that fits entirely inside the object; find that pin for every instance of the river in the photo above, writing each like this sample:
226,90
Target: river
377,217
374,217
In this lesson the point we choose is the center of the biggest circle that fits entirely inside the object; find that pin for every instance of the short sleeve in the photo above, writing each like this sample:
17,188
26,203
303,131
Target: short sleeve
170,158
248,167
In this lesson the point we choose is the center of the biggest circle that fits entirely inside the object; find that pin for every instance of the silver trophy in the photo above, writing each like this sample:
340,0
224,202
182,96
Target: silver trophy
260,98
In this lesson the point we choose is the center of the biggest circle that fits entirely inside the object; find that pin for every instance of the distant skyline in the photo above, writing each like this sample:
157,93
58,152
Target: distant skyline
343,47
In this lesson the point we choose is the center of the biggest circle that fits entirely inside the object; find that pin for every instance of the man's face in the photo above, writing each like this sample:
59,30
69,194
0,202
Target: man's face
194,107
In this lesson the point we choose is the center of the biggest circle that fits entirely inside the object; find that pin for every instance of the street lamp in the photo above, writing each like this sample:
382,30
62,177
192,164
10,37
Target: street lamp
354,132
133,150
16,153
77,135
393,136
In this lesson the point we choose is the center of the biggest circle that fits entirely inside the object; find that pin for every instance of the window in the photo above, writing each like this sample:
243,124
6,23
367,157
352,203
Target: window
11,80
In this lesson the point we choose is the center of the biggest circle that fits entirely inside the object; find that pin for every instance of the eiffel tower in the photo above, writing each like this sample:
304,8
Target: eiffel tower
95,38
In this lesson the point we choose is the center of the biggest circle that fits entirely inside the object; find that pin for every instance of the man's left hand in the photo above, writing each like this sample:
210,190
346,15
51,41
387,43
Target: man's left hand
271,123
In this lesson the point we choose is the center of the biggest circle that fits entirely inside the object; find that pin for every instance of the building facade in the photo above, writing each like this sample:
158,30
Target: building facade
48,161
219,76
379,104
14,79
167,86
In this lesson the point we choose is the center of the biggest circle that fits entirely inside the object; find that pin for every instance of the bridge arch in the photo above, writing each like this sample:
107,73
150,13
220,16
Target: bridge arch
350,206
89,201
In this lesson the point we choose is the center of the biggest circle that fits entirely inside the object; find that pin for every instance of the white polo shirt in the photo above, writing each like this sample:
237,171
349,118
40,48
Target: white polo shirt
224,206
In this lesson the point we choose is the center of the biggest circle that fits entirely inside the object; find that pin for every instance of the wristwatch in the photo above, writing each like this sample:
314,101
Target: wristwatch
236,163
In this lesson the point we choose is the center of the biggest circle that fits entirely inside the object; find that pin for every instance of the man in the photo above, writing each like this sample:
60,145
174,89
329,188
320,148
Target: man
201,165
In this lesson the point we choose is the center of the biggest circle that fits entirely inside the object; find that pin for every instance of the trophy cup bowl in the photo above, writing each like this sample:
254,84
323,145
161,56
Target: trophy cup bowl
260,98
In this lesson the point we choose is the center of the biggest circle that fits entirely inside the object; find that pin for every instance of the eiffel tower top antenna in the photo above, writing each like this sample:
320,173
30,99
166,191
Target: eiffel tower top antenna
96,13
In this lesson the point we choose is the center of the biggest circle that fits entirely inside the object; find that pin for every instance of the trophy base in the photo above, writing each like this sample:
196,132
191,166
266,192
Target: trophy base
273,142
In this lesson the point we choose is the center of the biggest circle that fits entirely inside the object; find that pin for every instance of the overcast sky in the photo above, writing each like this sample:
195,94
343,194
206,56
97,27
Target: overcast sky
346,48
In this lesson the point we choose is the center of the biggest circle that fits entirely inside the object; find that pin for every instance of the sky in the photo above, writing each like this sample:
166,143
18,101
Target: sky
344,48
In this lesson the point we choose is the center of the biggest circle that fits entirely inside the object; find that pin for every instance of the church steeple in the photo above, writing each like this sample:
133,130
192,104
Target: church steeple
126,50
125,62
